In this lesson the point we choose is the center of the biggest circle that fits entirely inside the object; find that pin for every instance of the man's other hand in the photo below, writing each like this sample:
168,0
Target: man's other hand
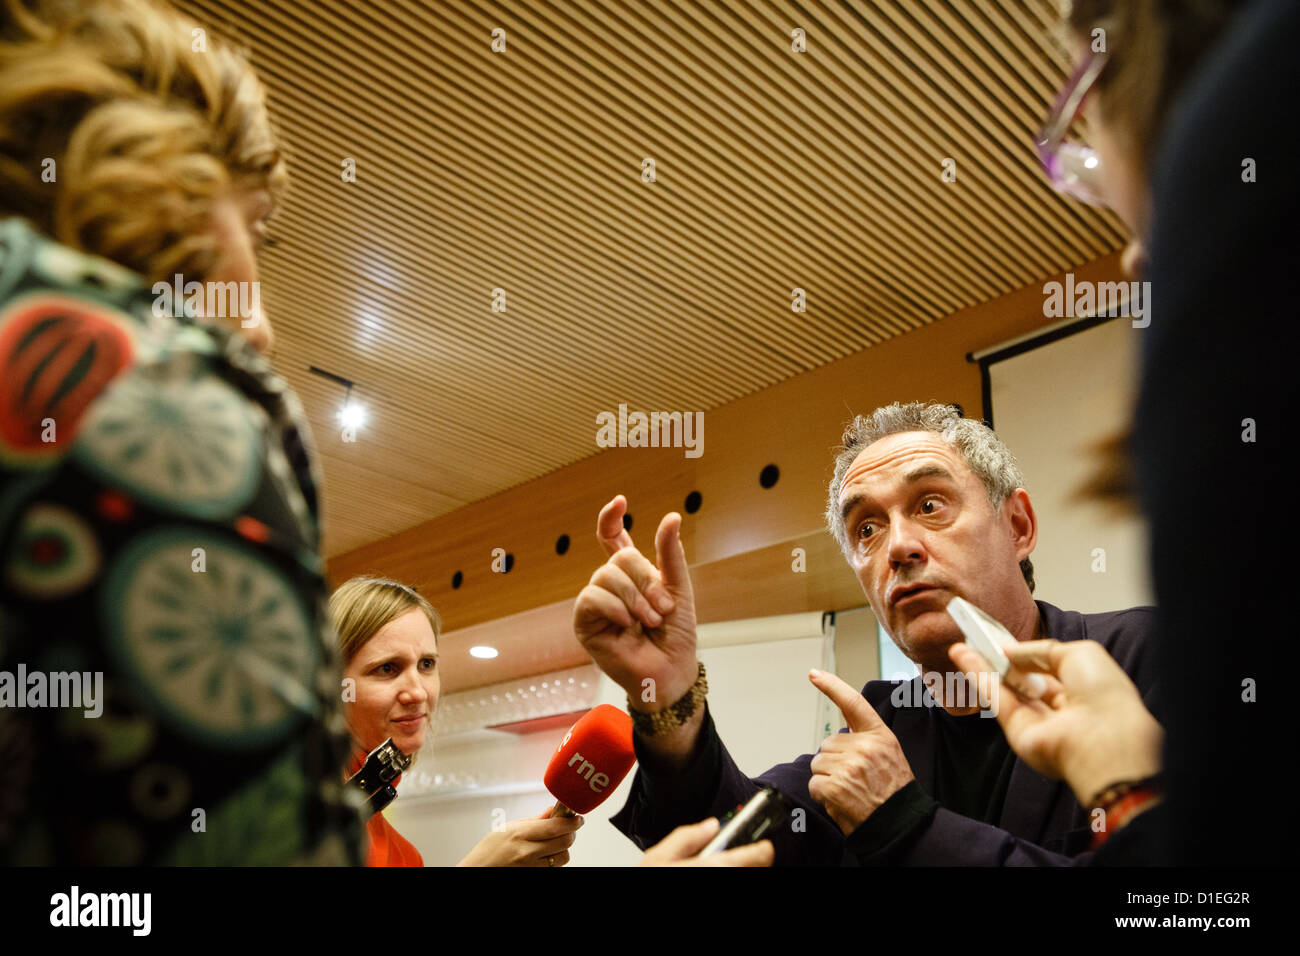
854,773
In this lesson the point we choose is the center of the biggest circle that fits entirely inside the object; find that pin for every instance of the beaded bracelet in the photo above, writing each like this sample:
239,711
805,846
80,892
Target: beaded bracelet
670,718
1120,802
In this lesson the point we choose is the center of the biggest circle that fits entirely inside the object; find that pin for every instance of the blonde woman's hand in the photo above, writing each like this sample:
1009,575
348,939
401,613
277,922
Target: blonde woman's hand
543,840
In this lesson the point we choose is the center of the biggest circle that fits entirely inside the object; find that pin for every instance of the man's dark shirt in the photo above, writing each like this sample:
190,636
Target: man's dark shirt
972,765
972,802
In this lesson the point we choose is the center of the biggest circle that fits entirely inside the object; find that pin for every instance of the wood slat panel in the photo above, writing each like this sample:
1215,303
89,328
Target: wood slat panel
776,170
794,425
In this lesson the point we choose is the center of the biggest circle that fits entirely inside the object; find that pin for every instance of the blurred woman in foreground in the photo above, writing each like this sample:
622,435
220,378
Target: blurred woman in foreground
159,520
158,508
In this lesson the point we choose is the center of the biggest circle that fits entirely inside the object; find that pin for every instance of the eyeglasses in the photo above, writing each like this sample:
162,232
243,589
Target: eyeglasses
1072,169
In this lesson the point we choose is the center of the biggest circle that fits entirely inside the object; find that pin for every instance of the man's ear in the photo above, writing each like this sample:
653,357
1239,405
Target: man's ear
1024,523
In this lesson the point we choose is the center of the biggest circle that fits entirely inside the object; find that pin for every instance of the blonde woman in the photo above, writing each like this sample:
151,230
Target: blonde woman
388,636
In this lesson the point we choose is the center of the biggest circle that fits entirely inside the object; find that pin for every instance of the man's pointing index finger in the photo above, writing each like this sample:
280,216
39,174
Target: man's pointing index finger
859,714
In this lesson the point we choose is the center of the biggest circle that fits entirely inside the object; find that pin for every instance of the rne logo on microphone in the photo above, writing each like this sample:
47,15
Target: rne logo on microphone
597,781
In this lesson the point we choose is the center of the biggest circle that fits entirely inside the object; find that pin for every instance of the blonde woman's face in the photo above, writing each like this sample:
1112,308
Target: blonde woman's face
397,682
240,224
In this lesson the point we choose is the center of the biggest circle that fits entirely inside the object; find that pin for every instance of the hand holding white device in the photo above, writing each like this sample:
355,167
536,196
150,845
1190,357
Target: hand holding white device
987,637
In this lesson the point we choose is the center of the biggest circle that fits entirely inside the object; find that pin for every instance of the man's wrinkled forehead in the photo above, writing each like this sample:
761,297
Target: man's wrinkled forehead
903,458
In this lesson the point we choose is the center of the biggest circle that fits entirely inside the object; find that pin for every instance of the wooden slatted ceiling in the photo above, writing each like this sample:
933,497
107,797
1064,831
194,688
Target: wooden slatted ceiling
522,171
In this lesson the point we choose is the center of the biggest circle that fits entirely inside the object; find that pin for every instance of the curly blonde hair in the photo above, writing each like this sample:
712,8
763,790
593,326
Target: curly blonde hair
147,120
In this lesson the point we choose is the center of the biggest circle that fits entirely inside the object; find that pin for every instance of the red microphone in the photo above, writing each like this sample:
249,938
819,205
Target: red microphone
591,761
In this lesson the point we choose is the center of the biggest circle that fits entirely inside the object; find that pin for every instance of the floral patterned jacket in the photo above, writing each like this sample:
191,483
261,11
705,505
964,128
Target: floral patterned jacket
169,691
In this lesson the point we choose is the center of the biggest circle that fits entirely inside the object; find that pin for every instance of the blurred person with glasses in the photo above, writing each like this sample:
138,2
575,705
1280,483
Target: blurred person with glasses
1187,148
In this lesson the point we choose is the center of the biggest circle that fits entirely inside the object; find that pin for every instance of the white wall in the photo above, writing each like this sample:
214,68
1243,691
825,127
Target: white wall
1049,405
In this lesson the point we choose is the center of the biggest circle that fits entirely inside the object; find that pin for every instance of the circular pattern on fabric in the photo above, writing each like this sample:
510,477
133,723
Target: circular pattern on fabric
214,635
115,740
54,553
59,353
189,444
159,791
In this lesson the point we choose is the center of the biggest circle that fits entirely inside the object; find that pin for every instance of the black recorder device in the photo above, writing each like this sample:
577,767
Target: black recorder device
375,779
765,811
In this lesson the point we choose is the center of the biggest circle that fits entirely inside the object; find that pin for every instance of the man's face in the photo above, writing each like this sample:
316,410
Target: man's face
921,531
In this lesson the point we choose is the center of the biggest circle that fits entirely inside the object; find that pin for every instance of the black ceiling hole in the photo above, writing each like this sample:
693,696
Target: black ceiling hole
627,522
510,561
456,580
769,476
693,502
562,544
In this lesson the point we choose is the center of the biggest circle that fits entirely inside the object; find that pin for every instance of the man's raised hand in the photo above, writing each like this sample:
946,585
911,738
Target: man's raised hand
637,619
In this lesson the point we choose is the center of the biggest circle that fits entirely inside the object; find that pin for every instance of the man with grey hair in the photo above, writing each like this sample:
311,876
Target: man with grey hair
926,505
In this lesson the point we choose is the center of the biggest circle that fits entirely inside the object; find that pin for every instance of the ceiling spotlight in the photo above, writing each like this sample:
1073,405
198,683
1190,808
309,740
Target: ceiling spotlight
352,414
487,653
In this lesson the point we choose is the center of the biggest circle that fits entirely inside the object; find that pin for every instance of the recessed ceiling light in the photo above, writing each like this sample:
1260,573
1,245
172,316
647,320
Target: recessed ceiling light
480,650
